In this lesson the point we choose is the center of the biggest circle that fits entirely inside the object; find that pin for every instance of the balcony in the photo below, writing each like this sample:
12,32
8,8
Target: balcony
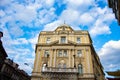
59,70
63,73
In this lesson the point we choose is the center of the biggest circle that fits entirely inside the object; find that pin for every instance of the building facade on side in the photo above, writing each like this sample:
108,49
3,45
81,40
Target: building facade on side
10,71
115,5
66,54
3,53
113,75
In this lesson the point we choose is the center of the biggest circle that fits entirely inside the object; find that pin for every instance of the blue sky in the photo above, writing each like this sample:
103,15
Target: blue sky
22,20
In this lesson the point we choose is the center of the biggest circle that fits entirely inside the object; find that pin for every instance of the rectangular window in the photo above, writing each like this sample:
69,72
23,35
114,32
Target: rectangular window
79,53
65,53
48,40
46,53
60,53
78,40
63,39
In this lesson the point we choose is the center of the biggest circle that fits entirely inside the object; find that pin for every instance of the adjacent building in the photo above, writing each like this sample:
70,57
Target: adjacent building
115,5
10,71
66,54
114,74
3,53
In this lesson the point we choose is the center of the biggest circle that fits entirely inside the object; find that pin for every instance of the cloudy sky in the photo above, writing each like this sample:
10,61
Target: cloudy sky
22,20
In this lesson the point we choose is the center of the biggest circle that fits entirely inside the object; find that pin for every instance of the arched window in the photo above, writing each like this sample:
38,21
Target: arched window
44,67
59,65
64,65
80,69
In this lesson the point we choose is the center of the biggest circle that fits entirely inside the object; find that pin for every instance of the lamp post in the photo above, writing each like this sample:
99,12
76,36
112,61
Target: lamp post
47,59
74,61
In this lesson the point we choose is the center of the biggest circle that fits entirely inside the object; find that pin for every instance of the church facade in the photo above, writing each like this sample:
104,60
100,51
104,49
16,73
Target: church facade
66,54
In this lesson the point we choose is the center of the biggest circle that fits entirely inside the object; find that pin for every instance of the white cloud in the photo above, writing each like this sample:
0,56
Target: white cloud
27,68
101,25
52,26
99,28
19,41
96,19
4,3
15,30
45,3
70,16
46,16
79,4
34,41
86,19
109,54
24,13
49,2
110,47
2,13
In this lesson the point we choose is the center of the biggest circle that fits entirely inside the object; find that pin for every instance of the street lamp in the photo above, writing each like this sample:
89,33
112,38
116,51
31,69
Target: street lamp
47,59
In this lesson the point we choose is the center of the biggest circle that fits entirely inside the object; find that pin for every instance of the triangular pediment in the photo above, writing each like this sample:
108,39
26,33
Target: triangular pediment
71,42
54,42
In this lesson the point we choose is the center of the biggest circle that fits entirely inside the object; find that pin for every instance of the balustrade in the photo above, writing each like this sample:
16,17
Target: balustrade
51,69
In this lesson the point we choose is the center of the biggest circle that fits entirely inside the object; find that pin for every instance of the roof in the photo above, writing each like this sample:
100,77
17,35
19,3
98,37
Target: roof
64,27
113,78
114,73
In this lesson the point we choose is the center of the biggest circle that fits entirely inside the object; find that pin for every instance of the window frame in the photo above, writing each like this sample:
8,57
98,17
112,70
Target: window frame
63,39
48,40
46,53
64,53
78,40
79,53
60,53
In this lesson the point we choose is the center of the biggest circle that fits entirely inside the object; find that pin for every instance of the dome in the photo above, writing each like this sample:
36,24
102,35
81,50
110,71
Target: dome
64,27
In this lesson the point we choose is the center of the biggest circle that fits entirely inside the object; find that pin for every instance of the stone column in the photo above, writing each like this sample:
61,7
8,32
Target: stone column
55,52
51,57
37,61
88,60
72,57
69,55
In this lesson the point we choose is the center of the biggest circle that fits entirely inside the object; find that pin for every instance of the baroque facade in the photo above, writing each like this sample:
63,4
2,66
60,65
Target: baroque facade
66,54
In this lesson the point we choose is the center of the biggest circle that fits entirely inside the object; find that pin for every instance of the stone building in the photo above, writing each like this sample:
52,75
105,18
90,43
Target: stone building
10,71
66,54
115,5
3,53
